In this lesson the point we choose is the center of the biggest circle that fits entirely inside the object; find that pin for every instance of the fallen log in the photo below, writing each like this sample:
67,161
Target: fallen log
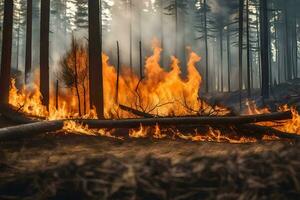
37,128
29,130
13,115
174,121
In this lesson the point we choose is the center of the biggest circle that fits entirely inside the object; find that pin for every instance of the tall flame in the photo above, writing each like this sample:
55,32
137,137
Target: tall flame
159,92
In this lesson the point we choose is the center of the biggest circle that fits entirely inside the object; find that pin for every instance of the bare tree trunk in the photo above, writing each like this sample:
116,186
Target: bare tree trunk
95,61
141,61
6,51
264,36
206,48
76,75
118,73
241,24
162,31
248,52
44,52
228,59
176,28
56,94
18,41
84,98
221,60
287,43
28,56
258,49
130,35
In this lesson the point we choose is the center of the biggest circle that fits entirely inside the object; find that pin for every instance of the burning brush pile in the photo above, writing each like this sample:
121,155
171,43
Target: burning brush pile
158,103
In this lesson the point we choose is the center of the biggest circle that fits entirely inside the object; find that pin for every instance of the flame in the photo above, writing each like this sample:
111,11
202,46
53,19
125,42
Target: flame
73,127
287,126
160,93
140,133
292,125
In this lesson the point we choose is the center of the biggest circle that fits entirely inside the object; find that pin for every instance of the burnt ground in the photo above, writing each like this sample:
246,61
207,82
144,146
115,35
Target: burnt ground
59,166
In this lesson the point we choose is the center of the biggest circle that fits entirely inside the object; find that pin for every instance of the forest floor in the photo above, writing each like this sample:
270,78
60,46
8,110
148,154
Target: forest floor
60,166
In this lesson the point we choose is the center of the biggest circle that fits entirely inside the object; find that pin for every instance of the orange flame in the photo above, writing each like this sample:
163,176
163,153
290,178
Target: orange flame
159,92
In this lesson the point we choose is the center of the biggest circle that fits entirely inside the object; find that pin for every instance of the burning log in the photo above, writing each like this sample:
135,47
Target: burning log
35,127
168,121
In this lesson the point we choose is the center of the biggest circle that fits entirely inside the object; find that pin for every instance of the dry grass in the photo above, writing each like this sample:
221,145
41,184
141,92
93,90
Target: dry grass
76,167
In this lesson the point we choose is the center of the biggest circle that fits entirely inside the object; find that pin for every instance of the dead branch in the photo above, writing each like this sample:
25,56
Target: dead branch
136,112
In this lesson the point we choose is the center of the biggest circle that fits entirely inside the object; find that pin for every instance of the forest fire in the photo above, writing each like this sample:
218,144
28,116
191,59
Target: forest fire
160,93
92,107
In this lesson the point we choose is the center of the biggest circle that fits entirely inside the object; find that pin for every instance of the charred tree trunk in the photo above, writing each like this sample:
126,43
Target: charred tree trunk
6,51
28,53
44,52
95,61
264,36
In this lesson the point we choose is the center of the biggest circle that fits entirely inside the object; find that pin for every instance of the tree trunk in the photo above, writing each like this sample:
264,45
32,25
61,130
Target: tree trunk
206,48
248,52
162,31
44,52
6,51
221,60
258,49
56,95
287,43
28,53
228,58
18,41
264,36
95,61
76,75
118,73
84,98
130,35
241,24
176,27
